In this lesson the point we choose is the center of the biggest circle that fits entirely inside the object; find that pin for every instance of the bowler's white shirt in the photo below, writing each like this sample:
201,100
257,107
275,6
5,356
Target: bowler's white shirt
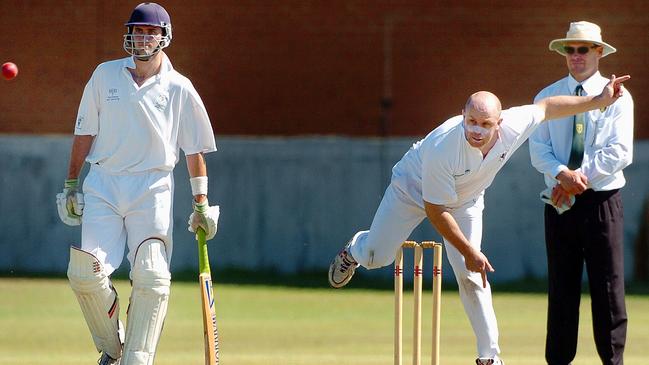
142,128
444,169
608,143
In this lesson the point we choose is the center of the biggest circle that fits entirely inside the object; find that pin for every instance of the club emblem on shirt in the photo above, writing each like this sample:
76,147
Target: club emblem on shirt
161,102
80,121
113,95
580,128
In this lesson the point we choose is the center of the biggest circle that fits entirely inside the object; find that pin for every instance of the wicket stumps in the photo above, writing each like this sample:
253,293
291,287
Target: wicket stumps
417,284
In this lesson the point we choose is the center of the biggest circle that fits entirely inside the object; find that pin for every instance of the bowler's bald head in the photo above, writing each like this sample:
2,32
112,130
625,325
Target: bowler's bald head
483,103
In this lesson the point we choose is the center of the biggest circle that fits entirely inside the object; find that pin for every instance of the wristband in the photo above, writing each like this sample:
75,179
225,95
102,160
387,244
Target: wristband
199,185
71,183
200,207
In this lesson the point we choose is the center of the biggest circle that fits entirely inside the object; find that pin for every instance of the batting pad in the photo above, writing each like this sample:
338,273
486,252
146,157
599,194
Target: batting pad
148,305
98,300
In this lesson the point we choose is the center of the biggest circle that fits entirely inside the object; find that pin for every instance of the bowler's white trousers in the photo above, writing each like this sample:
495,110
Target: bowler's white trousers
125,210
396,217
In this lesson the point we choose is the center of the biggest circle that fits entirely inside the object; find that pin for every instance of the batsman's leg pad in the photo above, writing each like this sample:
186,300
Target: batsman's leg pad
98,300
148,305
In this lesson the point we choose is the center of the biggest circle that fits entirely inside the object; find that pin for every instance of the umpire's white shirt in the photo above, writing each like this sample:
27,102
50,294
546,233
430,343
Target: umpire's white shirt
444,169
608,143
139,128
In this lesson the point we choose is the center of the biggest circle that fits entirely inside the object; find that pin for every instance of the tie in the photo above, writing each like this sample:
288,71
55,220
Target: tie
578,133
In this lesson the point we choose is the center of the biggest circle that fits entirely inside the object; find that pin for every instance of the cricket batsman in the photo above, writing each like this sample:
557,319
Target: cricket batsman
135,115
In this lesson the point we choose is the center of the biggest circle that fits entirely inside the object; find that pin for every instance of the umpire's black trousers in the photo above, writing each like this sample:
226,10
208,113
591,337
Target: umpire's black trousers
591,232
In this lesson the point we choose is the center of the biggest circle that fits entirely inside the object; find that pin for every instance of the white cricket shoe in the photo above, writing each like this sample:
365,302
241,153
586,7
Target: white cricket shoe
495,361
342,268
105,359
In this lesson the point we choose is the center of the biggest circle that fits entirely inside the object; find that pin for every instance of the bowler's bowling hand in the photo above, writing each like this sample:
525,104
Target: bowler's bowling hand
476,261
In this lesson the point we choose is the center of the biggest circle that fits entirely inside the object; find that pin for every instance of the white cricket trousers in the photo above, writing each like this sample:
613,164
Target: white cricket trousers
125,210
394,221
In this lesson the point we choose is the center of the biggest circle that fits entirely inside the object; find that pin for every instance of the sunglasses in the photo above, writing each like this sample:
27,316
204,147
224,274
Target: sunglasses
581,50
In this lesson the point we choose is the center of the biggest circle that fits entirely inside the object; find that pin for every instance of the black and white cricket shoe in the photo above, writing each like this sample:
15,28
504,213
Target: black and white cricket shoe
342,268
105,359
496,361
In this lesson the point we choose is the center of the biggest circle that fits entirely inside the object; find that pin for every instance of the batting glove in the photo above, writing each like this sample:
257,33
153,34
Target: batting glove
205,217
70,203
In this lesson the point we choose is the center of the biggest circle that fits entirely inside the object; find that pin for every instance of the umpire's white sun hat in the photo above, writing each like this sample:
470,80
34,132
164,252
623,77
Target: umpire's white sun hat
582,32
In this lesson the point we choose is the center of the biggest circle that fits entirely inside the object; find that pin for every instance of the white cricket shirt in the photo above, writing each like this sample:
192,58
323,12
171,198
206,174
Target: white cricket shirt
608,142
444,169
142,128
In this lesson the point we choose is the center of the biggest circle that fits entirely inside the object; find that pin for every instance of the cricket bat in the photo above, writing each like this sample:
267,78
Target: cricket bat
207,301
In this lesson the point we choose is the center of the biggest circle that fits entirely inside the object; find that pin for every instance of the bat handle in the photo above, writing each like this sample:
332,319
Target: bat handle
203,257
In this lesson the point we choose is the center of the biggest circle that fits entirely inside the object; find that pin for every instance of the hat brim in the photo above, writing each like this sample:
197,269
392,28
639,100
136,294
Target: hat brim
557,45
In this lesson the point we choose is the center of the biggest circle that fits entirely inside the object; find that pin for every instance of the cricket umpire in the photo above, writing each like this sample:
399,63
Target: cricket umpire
443,178
135,115
582,158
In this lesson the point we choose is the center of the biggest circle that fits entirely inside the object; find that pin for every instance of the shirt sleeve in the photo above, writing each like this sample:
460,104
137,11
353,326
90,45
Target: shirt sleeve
524,120
438,184
88,115
541,152
195,134
613,150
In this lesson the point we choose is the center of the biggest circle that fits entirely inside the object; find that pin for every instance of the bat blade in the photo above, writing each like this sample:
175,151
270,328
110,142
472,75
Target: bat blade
207,300
209,321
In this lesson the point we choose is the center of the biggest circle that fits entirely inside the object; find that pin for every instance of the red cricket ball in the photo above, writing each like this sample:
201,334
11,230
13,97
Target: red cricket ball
9,70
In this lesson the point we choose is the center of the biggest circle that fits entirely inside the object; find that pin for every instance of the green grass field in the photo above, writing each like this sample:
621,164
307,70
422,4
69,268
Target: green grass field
41,323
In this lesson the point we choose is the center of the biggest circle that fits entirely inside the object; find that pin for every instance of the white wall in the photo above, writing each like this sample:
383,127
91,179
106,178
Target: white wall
288,204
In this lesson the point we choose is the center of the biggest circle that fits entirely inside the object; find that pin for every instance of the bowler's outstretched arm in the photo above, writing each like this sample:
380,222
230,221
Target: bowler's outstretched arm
561,106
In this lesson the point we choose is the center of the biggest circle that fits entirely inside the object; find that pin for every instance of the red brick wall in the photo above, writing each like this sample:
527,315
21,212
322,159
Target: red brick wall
316,67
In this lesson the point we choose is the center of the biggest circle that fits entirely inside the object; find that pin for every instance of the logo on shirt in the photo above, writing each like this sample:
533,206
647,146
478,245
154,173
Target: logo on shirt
502,156
113,95
80,121
161,102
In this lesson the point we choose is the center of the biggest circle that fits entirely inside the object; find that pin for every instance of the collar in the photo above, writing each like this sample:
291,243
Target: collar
129,62
166,64
592,85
